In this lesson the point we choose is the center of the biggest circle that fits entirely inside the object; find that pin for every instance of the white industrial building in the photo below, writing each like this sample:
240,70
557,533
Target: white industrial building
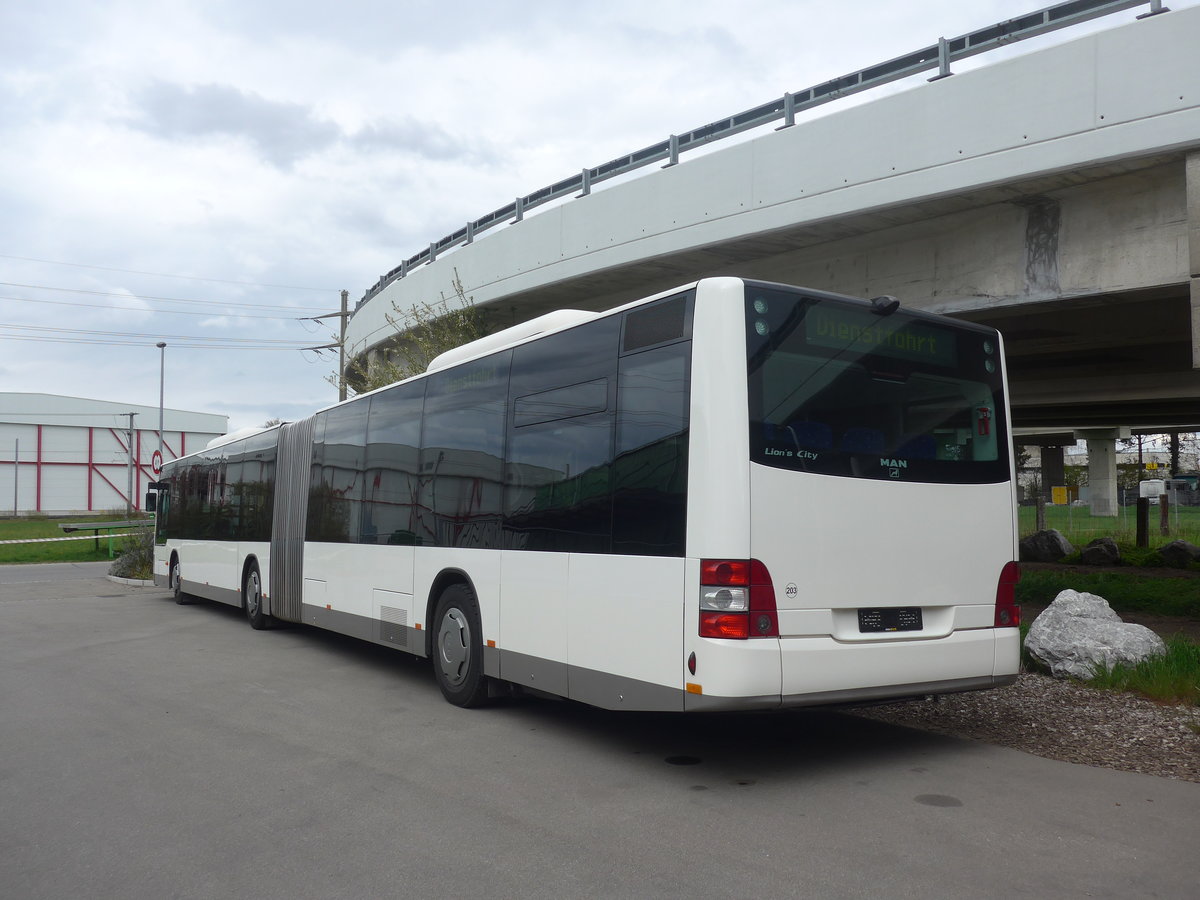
72,456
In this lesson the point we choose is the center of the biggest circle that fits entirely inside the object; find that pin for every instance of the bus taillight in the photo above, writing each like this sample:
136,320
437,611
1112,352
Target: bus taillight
1008,613
737,599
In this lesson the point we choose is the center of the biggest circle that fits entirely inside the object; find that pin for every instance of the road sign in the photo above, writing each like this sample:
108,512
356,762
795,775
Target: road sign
156,462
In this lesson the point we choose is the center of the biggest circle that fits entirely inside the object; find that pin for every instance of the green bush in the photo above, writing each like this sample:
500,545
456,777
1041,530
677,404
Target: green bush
137,557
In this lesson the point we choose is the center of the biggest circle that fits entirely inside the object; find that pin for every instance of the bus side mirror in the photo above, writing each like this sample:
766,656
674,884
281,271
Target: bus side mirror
151,502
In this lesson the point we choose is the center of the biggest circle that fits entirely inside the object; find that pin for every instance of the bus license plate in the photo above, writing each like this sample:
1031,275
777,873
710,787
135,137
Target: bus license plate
891,618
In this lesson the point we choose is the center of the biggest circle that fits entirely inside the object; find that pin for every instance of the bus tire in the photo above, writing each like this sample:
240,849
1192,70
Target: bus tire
252,600
175,581
458,647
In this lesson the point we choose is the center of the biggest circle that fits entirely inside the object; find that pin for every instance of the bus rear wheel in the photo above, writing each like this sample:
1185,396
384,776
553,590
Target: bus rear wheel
458,648
252,599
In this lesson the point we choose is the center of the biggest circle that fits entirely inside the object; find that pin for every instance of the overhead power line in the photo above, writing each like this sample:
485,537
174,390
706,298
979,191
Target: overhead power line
44,287
166,312
53,262
100,342
295,344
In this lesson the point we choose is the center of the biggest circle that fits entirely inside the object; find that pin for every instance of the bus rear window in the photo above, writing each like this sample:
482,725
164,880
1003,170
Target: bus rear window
837,389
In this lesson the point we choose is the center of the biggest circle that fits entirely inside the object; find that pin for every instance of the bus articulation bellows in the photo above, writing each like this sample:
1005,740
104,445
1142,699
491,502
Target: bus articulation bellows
732,495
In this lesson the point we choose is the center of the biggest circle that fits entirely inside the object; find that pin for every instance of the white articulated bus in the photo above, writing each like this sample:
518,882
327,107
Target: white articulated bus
731,495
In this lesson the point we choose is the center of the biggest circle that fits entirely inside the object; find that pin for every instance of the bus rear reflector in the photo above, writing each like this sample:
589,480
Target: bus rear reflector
1008,613
737,600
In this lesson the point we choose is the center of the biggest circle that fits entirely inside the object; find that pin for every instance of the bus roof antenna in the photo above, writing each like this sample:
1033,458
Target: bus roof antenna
884,305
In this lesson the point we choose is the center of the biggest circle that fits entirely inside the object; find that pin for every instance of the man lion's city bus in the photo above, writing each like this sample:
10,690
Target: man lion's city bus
732,495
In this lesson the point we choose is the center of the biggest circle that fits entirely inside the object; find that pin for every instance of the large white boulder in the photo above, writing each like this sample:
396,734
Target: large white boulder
1079,632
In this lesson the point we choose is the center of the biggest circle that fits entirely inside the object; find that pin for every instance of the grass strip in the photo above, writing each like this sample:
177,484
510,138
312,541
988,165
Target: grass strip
1171,678
27,527
1125,592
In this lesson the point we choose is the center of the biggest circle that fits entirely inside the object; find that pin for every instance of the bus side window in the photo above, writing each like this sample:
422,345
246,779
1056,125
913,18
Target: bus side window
557,493
650,470
335,498
462,453
393,464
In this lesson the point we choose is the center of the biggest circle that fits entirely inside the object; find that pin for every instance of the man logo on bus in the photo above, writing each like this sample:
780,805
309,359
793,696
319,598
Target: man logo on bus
893,466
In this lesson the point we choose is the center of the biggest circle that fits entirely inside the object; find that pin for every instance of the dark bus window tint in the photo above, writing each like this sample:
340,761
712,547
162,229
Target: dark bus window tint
557,492
213,512
836,389
335,500
162,511
662,321
175,511
195,505
186,496
585,353
254,491
226,494
462,454
232,498
561,403
557,496
650,471
393,465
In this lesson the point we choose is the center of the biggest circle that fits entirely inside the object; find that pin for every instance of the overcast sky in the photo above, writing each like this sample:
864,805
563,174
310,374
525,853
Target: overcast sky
210,173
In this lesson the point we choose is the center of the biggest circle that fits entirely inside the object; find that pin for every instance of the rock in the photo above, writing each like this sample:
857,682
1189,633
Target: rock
1045,546
1101,552
1178,554
1079,633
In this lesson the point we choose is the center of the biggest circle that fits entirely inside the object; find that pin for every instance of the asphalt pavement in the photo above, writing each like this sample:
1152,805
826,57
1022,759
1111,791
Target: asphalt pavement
150,750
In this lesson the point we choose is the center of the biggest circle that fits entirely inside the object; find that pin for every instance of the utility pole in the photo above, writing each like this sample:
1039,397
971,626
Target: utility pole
341,343
129,495
342,347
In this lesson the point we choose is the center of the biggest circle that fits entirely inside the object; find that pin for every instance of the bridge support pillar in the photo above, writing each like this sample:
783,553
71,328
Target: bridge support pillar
1053,469
1102,469
1193,227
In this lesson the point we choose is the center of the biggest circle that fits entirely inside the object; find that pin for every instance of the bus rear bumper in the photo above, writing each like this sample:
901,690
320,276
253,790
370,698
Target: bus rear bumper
820,671
846,697
822,664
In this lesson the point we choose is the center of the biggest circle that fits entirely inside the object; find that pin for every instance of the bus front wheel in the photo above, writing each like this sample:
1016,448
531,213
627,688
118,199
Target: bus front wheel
458,648
175,579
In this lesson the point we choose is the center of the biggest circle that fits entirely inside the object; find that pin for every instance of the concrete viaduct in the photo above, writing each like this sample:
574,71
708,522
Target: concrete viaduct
1054,195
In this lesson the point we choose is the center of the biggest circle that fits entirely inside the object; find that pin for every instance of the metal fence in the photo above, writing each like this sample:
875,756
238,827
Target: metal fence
1178,519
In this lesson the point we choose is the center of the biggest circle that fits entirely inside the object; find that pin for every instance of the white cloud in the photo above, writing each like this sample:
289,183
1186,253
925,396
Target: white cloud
283,132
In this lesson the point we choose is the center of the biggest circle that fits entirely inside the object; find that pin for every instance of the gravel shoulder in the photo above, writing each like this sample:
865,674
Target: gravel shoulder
1063,720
